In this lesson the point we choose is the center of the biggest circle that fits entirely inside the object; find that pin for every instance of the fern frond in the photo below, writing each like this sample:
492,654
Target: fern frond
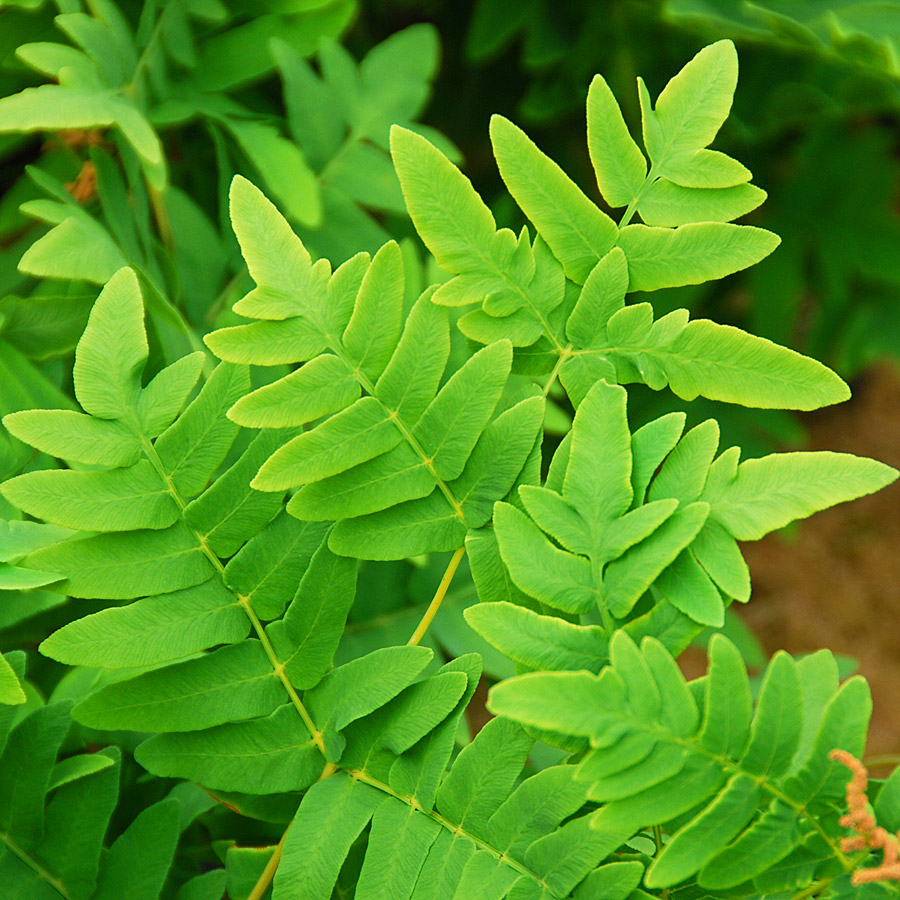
471,833
563,296
738,787
656,510
403,464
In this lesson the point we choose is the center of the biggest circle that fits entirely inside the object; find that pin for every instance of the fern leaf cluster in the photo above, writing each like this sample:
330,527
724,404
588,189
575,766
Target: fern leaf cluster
213,520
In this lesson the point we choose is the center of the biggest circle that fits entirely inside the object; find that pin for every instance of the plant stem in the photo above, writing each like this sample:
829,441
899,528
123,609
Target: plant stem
438,598
268,873
559,364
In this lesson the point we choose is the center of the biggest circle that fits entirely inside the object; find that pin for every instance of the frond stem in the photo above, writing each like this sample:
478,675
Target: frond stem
259,629
438,598
268,873
563,356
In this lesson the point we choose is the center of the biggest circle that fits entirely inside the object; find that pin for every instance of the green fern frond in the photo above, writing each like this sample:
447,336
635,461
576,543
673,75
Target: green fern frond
563,297
403,464
739,788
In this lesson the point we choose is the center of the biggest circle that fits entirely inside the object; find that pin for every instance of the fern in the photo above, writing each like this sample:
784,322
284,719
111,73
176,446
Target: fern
213,519
751,789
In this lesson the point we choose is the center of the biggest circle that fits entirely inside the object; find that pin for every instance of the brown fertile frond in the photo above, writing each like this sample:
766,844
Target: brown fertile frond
869,834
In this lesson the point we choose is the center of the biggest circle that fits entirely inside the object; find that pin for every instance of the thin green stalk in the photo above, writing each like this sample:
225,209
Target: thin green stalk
438,598
268,873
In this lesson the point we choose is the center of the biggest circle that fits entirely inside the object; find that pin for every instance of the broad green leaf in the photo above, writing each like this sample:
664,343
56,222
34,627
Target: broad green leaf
706,169
138,863
650,445
394,477
414,372
353,436
321,387
600,493
14,578
718,553
331,817
228,685
267,343
684,472
687,586
114,500
539,642
314,622
165,396
554,577
10,689
229,512
453,422
26,766
128,564
770,492
667,204
268,567
277,260
450,217
725,363
692,846
694,104
627,577
193,447
603,295
691,254
151,631
728,707
483,775
557,517
775,732
107,385
618,162
283,167
260,756
374,328
428,525
559,701
78,248
75,437
574,228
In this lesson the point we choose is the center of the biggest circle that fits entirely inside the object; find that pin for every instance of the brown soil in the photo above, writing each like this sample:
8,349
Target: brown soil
836,582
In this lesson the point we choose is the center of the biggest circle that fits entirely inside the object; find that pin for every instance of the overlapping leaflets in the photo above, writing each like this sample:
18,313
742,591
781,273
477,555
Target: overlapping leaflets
748,786
522,288
657,511
403,463
221,610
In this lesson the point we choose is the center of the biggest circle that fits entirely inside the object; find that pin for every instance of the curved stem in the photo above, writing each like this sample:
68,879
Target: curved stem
438,598
268,873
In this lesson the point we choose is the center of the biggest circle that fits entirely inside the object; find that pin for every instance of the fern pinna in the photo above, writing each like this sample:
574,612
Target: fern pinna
221,535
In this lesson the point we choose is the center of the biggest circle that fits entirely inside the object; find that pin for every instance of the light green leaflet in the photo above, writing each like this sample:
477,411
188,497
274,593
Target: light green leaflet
687,199
404,463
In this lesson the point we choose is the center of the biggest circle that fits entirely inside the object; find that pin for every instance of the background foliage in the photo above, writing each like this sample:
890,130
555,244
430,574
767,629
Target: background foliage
133,543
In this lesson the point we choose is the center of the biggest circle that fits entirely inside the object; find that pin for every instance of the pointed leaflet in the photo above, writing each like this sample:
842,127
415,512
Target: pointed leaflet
574,228
138,863
695,103
452,220
769,493
691,254
323,386
314,622
261,756
165,396
667,204
107,385
600,492
10,689
115,500
602,296
153,630
332,815
618,162
75,437
228,685
373,330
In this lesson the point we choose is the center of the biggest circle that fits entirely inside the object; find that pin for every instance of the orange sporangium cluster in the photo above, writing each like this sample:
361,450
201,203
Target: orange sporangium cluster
869,834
